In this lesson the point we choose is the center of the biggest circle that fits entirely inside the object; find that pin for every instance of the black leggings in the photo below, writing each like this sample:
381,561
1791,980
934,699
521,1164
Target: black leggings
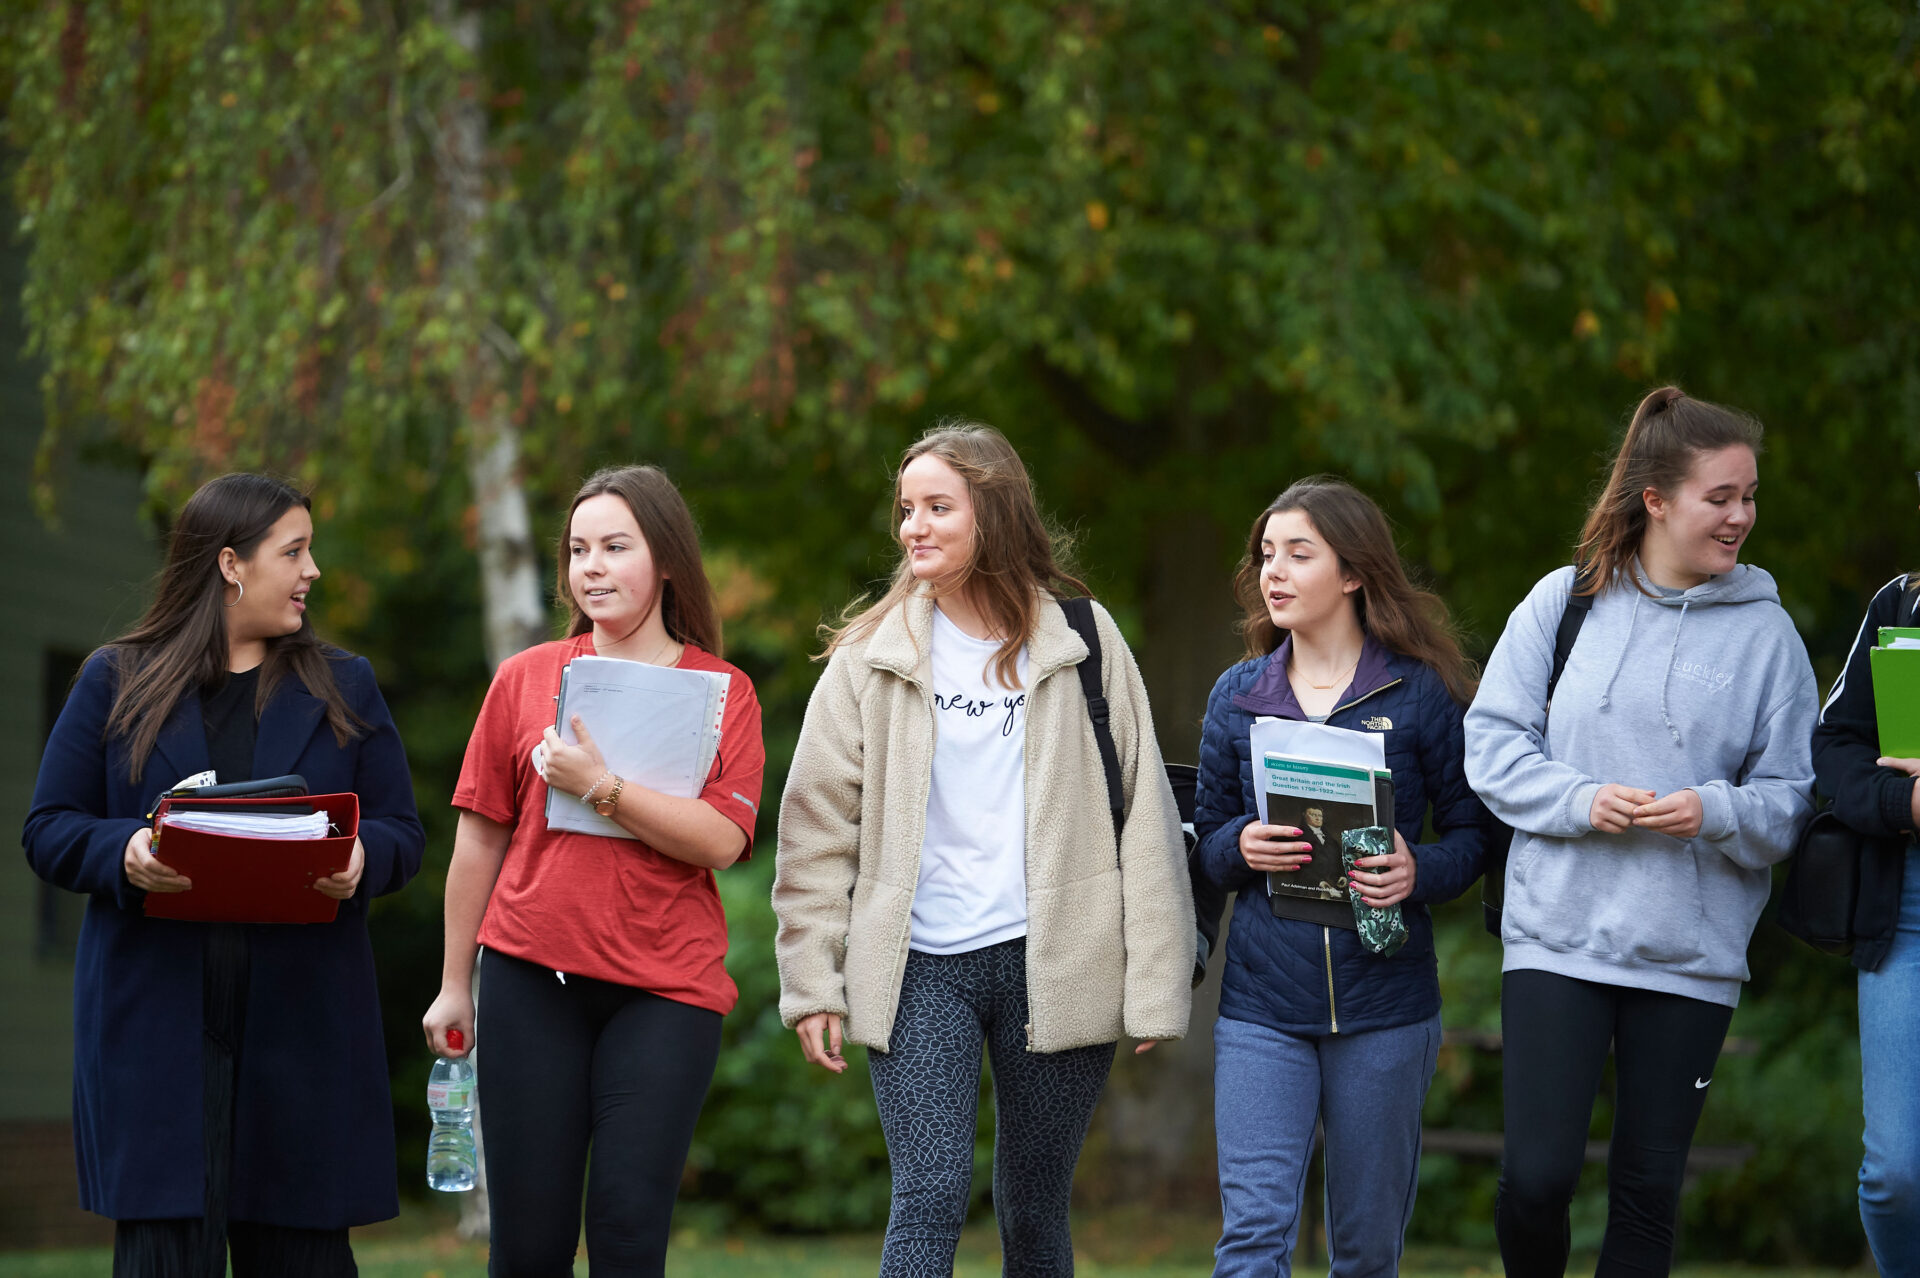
565,1066
1556,1032
928,1090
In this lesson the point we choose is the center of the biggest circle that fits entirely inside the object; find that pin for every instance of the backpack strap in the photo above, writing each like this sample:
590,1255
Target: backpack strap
1575,616
1493,882
1080,616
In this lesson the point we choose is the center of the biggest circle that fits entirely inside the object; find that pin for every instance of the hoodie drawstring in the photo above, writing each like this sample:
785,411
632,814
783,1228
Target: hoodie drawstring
1606,693
1666,676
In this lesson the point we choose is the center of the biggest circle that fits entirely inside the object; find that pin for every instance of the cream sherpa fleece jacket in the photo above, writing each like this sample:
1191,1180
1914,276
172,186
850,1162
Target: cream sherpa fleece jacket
1110,932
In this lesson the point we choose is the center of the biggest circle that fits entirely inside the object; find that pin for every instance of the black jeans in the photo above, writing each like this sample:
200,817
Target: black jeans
1556,1032
577,1072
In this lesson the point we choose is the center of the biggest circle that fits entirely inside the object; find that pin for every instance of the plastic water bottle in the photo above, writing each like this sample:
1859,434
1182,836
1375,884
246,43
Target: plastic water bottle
450,1160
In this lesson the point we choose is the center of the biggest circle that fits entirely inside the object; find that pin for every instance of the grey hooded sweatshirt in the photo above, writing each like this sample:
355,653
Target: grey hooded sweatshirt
1708,688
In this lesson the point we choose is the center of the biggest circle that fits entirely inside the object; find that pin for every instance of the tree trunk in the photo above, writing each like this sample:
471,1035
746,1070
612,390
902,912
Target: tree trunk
515,617
509,587
1156,1121
1188,623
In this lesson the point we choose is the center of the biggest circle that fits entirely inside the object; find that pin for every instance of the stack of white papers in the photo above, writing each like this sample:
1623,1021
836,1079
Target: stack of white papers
657,726
1301,740
250,825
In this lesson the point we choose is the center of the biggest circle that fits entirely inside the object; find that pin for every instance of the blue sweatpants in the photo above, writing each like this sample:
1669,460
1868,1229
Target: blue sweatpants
1367,1090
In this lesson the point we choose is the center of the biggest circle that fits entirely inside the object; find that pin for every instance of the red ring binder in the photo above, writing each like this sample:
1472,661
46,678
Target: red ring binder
250,880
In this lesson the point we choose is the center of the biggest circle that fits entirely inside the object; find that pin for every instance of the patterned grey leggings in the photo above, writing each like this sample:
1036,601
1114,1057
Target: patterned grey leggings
928,1088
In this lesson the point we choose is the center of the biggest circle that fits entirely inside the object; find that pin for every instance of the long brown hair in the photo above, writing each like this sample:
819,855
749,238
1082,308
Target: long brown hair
1015,558
1669,432
1401,616
180,645
680,588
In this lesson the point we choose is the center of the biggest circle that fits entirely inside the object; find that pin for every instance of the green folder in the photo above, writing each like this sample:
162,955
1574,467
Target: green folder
1896,700
1889,633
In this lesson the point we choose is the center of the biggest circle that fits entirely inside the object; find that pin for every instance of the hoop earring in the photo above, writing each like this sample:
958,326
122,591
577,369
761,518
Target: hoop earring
240,586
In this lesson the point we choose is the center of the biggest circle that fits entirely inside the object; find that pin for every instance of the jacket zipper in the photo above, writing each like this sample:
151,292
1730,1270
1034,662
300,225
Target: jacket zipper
1333,1013
1326,933
1357,700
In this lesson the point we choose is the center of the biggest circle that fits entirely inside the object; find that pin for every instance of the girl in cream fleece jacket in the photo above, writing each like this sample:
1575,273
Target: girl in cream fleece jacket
948,872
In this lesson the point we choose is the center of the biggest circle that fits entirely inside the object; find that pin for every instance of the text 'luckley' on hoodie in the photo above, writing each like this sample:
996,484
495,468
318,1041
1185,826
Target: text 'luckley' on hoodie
1707,688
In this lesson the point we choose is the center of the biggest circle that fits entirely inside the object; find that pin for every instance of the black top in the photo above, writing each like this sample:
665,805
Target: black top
1868,798
227,710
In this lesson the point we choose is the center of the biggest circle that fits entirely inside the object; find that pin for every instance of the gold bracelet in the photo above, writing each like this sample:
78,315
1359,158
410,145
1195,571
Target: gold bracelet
587,798
611,804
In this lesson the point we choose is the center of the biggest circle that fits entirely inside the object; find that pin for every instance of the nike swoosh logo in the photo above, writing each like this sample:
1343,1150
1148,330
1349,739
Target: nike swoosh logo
1699,1083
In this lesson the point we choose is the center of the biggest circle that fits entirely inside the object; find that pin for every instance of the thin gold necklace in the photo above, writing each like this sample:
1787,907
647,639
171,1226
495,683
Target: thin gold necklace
653,660
1320,687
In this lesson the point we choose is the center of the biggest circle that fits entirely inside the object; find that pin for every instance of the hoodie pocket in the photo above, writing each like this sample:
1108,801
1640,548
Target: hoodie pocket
1632,899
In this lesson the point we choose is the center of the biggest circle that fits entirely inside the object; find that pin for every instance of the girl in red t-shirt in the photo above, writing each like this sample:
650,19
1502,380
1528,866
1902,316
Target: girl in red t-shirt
604,981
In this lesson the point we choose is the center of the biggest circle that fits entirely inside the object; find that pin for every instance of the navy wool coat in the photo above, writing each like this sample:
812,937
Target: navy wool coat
313,1118
1299,977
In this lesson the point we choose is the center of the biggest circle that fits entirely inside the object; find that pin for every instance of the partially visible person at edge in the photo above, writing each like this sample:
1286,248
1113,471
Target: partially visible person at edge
603,987
1313,1026
230,1081
1647,808
948,872
1876,795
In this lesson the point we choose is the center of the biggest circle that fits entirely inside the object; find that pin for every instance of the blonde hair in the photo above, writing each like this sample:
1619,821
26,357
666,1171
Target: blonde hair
1015,557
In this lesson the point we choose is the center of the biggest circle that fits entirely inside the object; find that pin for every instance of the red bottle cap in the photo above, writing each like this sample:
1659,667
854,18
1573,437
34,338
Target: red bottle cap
456,1041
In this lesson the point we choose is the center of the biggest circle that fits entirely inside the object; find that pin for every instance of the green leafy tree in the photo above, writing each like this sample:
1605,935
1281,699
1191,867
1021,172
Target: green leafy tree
260,240
1182,254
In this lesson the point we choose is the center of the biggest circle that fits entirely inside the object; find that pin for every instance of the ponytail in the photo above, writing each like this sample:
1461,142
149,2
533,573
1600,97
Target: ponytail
1668,433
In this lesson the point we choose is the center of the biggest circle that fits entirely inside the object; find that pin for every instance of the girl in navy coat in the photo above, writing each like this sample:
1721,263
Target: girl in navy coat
1313,1026
230,1082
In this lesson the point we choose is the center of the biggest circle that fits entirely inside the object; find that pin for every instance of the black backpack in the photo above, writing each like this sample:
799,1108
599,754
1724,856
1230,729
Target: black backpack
1208,901
1493,884
1821,901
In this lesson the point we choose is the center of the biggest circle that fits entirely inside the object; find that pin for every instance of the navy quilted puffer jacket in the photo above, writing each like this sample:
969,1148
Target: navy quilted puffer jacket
1299,977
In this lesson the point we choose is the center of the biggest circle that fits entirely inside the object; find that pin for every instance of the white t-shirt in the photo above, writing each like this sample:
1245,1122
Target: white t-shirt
973,861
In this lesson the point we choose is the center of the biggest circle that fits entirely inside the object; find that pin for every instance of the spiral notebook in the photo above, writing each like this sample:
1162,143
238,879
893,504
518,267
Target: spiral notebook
656,726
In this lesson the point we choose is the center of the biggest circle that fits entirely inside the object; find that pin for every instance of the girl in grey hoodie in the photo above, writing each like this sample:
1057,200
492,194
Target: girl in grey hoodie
1673,770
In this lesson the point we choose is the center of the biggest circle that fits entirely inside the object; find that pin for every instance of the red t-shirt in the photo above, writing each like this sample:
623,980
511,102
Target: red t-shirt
612,909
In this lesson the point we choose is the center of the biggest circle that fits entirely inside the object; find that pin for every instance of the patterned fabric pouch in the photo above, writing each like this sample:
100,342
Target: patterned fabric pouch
1381,931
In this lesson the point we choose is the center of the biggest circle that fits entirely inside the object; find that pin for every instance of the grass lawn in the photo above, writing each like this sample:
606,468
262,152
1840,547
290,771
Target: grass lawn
1134,1244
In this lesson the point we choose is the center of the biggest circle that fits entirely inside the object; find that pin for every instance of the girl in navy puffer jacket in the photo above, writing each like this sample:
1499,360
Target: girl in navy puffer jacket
1312,1025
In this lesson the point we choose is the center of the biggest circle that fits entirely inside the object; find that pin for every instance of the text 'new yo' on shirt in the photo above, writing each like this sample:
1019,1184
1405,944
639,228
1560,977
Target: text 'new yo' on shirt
972,890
